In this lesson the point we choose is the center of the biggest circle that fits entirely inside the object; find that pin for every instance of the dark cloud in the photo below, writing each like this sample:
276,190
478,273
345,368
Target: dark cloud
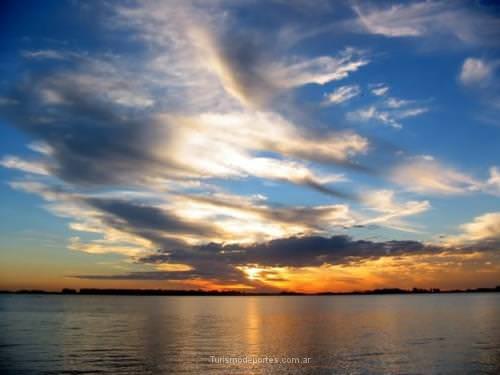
219,262
330,191
92,140
207,269
140,217
307,251
243,55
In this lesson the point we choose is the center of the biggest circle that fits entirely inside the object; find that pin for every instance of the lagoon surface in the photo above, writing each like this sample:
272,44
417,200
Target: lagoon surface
391,334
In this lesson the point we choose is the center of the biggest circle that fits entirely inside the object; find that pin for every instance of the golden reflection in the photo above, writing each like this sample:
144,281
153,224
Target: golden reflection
253,326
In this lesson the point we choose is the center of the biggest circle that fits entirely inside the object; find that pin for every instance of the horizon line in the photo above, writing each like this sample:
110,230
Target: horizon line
215,292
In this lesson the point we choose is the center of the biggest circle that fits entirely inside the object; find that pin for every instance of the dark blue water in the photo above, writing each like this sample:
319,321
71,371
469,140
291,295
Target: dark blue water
412,334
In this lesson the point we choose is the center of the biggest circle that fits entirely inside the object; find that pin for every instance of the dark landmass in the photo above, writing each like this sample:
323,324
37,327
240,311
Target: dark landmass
199,292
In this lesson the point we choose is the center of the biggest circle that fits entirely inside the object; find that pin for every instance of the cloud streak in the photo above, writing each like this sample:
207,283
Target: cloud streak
426,175
430,19
342,94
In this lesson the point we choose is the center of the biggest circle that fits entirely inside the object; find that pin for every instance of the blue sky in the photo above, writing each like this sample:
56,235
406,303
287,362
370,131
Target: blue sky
134,134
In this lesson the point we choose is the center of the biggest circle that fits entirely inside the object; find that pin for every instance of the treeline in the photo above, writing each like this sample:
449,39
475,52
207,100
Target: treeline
199,292
413,291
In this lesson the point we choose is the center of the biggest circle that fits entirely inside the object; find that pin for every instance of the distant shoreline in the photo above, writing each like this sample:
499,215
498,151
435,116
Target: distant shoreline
166,292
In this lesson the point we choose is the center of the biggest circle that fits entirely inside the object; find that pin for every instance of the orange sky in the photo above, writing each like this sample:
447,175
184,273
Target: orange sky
445,271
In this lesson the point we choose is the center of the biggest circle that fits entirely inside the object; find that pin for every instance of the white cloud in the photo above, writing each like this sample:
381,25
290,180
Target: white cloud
384,202
380,90
428,176
395,21
411,112
221,145
247,220
35,167
396,103
173,267
319,70
45,54
430,19
40,147
104,247
424,174
343,94
475,71
372,113
390,111
485,227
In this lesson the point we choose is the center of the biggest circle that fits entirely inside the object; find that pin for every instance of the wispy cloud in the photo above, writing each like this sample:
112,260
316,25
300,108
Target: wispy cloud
319,70
45,54
389,111
249,65
426,175
392,211
342,94
373,114
379,89
390,115
431,19
396,103
35,167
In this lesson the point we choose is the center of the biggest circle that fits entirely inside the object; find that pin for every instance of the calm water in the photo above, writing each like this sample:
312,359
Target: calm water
419,334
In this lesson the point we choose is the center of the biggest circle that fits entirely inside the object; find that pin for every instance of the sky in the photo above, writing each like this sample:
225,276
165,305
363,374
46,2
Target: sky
249,145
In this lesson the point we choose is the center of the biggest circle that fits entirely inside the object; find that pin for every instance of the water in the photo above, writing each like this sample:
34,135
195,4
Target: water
412,334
